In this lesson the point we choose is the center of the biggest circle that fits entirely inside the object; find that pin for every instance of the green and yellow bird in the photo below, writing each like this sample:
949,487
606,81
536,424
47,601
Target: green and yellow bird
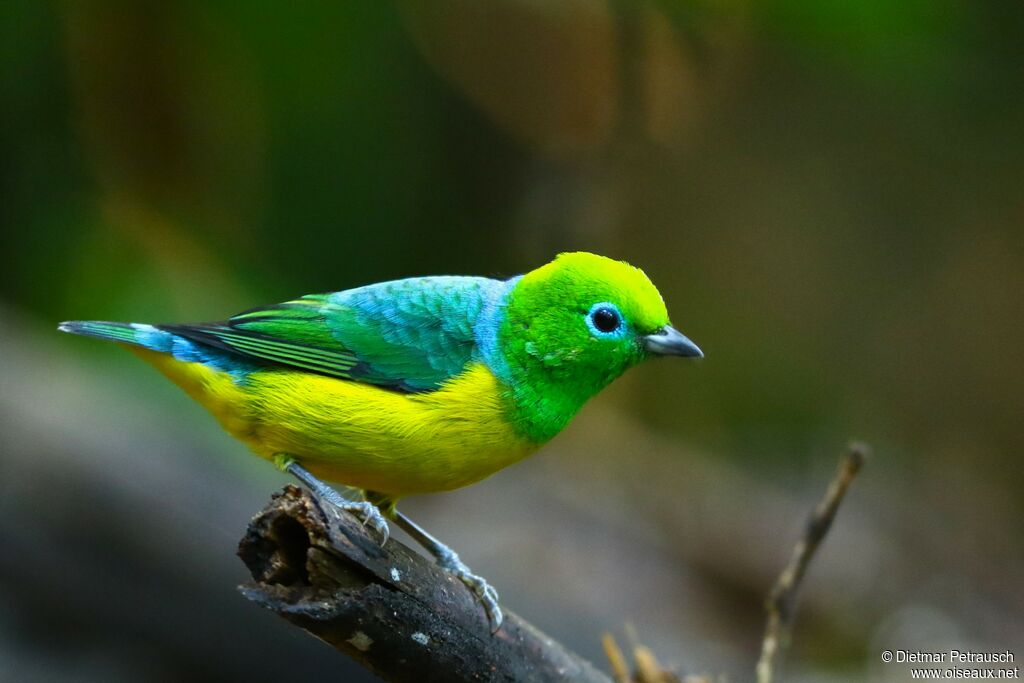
416,385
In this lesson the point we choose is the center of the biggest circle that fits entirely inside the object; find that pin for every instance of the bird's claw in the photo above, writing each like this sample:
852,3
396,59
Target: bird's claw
487,596
368,513
364,510
484,591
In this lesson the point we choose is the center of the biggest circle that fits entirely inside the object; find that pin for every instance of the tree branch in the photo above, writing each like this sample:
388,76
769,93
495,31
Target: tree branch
781,605
391,609
402,617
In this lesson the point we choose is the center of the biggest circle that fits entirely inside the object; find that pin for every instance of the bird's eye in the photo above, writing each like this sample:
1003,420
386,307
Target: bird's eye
606,320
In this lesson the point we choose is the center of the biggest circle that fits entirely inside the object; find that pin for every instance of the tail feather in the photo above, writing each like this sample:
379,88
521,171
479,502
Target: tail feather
136,334
157,339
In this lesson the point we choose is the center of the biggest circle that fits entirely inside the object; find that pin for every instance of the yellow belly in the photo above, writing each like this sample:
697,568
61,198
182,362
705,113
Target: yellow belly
358,434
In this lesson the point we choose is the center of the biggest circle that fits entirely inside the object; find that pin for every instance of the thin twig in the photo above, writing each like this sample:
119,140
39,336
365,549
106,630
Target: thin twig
781,605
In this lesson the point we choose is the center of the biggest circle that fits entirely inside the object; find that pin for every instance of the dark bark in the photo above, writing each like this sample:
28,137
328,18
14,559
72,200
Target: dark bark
389,608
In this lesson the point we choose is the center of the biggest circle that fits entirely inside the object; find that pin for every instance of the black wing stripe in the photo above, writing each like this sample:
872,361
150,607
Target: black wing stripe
291,359
309,351
256,346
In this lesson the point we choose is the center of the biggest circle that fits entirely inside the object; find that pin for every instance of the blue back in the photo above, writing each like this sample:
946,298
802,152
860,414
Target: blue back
409,335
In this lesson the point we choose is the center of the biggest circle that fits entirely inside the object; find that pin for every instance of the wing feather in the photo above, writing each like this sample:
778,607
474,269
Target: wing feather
409,335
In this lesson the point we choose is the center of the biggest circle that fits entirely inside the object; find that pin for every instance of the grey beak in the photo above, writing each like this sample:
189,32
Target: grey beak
668,341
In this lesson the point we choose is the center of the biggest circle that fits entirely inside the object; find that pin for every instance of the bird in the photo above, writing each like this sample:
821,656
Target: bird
412,386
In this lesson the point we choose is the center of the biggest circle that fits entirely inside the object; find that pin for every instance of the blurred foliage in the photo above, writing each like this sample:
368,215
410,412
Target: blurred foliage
827,193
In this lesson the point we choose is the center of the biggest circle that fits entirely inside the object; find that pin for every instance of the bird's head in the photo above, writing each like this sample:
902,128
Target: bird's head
582,320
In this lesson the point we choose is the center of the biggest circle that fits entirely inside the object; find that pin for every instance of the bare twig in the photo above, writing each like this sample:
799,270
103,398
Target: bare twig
781,604
394,611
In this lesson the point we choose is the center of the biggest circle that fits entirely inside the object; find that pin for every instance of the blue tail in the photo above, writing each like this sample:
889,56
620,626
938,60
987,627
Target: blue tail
156,339
137,334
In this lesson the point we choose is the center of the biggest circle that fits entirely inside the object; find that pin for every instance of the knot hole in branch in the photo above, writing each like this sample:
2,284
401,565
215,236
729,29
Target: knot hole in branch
279,555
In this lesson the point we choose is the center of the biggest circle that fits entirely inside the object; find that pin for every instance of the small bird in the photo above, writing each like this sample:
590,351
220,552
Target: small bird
417,385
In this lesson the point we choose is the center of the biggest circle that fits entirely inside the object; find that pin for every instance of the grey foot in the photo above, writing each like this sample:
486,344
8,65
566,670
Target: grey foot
449,561
365,511
484,591
368,514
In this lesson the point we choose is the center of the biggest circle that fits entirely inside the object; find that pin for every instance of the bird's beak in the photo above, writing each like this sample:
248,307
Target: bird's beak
668,341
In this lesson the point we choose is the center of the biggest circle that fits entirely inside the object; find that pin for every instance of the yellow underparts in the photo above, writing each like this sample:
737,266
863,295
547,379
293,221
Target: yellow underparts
358,434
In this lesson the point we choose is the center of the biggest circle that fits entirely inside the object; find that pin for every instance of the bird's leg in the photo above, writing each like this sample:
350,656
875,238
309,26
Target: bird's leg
364,510
447,559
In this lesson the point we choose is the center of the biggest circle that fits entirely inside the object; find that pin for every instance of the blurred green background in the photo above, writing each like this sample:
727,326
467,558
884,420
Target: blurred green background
828,194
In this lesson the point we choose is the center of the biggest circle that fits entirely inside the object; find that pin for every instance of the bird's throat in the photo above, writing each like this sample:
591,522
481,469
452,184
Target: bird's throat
540,409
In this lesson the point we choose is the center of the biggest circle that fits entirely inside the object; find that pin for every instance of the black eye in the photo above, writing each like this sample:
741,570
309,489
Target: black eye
605,319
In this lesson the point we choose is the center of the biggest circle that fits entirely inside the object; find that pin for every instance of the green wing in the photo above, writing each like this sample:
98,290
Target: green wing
410,335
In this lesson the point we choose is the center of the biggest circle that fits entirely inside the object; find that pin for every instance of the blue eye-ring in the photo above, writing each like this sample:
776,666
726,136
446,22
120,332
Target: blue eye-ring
605,320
